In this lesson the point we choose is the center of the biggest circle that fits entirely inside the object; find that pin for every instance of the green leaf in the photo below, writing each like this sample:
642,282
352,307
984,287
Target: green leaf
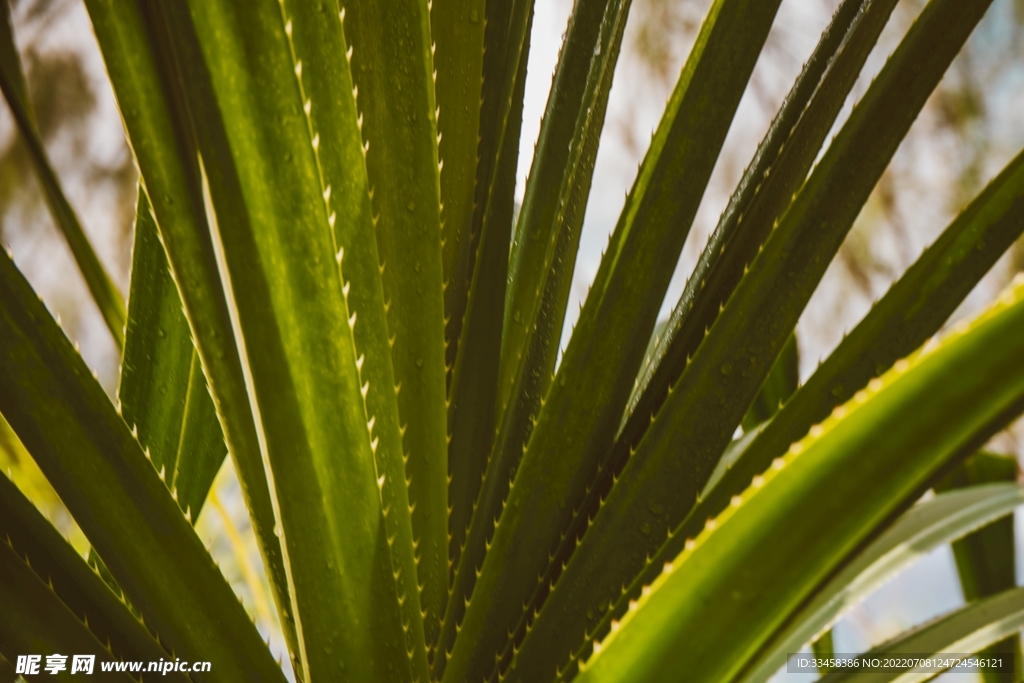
677,541
754,564
506,47
779,167
660,483
457,29
473,396
64,419
922,528
783,158
477,317
154,91
544,253
162,390
327,83
578,421
72,581
969,629
547,232
392,69
271,209
202,448
914,308
37,622
475,295
12,81
985,560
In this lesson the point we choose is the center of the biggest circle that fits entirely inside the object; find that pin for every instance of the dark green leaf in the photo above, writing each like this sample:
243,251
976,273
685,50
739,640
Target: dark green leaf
660,483
393,71
549,230
579,419
64,419
740,578
327,84
913,309
457,29
782,159
271,212
779,167
506,46
473,399
140,50
162,390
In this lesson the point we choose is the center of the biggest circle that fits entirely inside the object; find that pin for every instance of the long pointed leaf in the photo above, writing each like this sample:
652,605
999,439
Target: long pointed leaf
473,395
98,468
548,232
578,420
319,43
474,317
12,81
271,216
457,29
162,390
661,481
912,310
392,69
151,87
562,162
506,37
779,166
475,293
549,229
740,578
677,541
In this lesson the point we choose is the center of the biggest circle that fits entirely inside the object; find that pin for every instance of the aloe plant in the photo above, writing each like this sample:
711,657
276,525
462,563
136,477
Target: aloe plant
330,283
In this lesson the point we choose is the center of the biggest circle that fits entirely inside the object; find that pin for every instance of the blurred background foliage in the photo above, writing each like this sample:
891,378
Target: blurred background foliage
969,130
